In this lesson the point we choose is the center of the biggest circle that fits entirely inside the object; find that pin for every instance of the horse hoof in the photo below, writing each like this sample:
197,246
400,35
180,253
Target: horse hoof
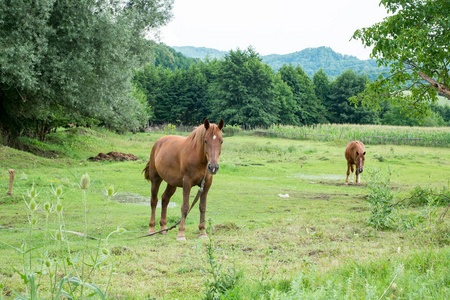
202,235
150,231
181,238
346,183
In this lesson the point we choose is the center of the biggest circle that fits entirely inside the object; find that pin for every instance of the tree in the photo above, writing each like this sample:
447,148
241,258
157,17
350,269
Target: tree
288,106
340,110
187,96
242,91
309,109
414,43
321,85
65,61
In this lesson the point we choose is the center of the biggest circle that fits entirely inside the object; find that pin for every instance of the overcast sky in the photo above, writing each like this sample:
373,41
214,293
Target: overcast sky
272,27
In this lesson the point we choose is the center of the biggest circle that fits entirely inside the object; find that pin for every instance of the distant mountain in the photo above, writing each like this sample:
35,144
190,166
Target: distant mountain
200,52
310,60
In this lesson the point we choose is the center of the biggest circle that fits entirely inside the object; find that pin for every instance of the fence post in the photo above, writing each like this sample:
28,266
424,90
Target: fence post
11,181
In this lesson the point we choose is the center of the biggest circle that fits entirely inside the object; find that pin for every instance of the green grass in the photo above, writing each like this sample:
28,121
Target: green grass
315,243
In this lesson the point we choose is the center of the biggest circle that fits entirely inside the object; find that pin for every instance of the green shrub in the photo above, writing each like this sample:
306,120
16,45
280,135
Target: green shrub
421,196
381,201
230,130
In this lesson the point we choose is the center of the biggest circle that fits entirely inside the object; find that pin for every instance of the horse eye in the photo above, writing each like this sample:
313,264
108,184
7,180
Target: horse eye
221,142
206,142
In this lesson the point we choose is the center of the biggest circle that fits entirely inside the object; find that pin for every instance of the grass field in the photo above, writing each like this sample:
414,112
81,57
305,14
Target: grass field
284,224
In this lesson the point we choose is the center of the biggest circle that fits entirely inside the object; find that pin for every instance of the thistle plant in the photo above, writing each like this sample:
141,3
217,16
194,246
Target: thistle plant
85,182
59,273
110,192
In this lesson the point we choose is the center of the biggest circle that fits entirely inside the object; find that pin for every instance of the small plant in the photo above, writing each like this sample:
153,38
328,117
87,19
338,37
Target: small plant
223,282
169,128
378,157
381,201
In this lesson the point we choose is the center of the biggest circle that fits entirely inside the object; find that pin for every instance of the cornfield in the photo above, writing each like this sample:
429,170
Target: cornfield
368,134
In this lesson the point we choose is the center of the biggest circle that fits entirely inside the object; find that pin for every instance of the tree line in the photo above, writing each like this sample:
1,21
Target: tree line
247,92
82,63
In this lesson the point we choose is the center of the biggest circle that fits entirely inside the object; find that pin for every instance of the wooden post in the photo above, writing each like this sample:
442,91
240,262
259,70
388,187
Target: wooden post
11,180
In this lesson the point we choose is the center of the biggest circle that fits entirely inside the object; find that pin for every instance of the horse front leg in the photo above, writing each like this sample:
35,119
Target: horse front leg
184,210
202,207
357,176
349,166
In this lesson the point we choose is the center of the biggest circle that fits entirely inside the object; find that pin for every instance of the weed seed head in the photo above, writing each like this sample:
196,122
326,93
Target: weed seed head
33,205
58,235
47,207
110,191
85,181
105,251
59,191
48,264
59,207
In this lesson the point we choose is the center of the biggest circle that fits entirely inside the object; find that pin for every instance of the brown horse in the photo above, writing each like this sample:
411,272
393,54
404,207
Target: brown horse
354,153
184,162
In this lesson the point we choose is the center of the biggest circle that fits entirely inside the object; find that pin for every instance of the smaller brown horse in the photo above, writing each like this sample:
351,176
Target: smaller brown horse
184,162
354,153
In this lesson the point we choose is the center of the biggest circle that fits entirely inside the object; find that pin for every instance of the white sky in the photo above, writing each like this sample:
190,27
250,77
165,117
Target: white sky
272,27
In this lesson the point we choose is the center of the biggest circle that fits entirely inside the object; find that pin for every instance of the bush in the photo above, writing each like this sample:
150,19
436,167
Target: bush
381,201
420,196
230,130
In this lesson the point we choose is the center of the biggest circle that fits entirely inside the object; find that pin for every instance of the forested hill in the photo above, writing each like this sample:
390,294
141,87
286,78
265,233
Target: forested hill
310,60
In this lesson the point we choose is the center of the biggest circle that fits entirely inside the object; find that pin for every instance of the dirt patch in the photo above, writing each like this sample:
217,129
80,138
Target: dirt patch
114,156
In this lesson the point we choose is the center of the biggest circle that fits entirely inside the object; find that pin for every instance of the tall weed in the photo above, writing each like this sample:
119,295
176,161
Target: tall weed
381,200
50,269
224,283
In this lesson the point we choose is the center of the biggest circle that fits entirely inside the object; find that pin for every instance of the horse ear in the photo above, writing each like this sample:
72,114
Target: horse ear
206,123
221,123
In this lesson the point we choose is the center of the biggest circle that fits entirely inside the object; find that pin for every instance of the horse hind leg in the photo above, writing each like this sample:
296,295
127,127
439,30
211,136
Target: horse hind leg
168,193
156,182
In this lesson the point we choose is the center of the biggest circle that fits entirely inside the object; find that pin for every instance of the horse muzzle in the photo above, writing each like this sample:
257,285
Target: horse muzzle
213,168
360,170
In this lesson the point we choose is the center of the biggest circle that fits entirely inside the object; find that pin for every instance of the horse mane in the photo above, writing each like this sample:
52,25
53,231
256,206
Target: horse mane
196,137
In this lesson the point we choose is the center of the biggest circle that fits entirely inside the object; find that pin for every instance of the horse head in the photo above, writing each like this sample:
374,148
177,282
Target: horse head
213,145
359,161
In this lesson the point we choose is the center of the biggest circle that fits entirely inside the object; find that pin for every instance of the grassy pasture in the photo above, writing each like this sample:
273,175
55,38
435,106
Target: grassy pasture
313,244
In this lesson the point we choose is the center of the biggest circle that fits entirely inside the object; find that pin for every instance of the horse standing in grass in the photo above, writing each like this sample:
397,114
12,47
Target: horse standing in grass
184,162
354,153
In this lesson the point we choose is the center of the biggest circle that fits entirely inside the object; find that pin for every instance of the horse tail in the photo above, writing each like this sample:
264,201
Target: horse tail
146,171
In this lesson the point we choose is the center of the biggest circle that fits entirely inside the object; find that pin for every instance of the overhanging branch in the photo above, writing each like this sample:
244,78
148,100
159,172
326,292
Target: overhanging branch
442,89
